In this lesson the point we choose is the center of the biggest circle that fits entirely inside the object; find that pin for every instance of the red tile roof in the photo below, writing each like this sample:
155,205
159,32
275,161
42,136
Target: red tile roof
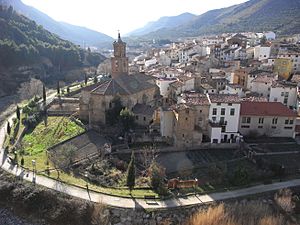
266,109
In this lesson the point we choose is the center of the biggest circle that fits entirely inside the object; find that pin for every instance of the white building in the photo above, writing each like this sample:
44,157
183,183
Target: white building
150,62
163,84
270,35
284,92
262,52
233,89
224,114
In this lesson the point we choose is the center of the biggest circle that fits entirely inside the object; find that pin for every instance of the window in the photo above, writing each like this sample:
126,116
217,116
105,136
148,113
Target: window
231,112
183,135
218,103
214,118
291,121
273,127
285,101
223,129
137,117
230,104
261,120
214,111
186,118
286,122
245,126
259,127
223,111
288,128
274,120
246,120
144,118
222,120
200,111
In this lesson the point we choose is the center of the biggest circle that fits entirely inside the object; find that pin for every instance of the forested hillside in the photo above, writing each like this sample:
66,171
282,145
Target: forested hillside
23,42
27,51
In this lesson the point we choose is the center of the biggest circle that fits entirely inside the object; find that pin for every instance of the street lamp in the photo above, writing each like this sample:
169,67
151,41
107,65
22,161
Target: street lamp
33,165
34,169
86,174
86,179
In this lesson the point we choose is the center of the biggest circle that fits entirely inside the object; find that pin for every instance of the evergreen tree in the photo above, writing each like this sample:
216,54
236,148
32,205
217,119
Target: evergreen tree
58,88
44,94
22,161
131,172
8,129
85,79
127,119
263,40
18,113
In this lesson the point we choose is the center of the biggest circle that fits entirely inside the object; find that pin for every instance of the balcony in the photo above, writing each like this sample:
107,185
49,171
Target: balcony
217,123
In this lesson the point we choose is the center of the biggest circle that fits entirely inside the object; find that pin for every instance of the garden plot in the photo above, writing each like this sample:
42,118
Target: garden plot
86,145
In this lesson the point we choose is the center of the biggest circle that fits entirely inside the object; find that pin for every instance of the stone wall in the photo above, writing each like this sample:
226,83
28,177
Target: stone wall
161,217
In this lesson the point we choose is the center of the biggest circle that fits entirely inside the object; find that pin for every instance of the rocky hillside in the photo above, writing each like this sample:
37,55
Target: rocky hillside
28,50
282,17
163,22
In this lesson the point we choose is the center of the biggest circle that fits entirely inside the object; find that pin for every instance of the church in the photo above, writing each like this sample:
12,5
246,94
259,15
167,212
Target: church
137,92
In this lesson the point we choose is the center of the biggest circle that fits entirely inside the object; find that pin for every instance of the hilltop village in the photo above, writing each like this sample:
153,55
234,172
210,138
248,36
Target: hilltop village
205,90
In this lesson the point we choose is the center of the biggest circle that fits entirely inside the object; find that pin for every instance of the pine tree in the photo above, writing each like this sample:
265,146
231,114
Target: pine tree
85,79
44,94
18,113
8,129
58,88
131,172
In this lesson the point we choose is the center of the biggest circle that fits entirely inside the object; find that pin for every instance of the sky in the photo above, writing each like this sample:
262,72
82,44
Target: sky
109,16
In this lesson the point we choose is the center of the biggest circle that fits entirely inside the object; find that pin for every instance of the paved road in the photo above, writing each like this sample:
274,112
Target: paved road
134,203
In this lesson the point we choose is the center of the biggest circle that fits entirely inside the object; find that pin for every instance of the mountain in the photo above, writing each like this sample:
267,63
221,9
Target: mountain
27,50
163,22
73,33
280,16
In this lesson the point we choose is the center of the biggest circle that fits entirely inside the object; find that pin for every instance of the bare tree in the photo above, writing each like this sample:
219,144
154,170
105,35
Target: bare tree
63,156
31,88
149,154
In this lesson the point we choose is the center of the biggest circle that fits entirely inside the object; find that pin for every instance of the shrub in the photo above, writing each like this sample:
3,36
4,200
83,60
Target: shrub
250,213
157,176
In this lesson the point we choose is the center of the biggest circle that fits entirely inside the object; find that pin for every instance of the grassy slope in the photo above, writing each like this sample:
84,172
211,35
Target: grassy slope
42,137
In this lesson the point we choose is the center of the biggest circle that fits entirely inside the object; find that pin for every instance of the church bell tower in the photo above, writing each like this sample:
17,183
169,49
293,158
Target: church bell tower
119,62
